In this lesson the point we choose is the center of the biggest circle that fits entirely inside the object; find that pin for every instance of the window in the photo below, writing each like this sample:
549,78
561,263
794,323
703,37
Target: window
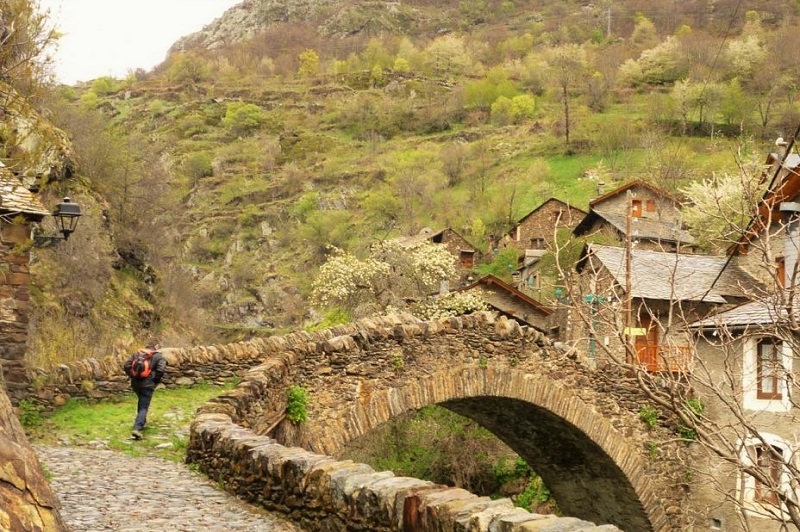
636,208
467,258
651,205
768,371
763,478
538,243
768,458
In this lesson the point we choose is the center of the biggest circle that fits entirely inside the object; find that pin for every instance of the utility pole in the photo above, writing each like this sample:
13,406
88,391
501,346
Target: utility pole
628,300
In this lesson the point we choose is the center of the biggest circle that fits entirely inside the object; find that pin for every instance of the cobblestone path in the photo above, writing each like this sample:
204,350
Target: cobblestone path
103,490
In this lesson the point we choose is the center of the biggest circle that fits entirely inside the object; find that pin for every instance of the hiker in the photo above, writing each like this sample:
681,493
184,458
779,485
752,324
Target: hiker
146,369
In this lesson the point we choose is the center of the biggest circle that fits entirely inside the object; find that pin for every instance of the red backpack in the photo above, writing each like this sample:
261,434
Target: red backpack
142,364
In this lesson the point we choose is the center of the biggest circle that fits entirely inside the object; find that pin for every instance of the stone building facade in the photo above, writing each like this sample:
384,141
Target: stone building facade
18,209
536,230
638,211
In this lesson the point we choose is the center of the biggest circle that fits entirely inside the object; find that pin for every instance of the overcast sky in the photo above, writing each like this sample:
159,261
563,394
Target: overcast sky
113,37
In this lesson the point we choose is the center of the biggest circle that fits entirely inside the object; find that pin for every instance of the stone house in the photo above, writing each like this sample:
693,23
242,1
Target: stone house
634,308
536,230
654,222
533,235
18,209
458,246
753,348
511,303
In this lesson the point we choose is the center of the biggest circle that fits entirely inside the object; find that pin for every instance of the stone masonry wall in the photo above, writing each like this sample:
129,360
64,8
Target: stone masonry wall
14,303
322,493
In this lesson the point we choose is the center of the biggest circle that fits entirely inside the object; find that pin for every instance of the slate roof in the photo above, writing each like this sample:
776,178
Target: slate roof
550,200
672,276
15,198
630,185
642,228
427,235
754,313
491,280
492,284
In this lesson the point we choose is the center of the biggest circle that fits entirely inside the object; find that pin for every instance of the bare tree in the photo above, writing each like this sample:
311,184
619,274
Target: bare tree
568,68
713,342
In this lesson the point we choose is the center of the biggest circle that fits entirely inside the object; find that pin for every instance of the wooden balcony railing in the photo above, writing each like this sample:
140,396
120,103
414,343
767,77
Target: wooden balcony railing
665,358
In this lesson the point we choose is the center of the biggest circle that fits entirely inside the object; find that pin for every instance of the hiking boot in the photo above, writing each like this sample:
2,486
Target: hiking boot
136,435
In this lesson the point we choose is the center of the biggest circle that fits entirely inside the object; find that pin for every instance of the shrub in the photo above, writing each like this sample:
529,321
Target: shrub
512,110
104,86
649,415
30,414
243,118
187,68
297,406
197,165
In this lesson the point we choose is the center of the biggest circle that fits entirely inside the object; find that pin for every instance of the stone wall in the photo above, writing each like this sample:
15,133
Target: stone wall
14,304
93,378
322,493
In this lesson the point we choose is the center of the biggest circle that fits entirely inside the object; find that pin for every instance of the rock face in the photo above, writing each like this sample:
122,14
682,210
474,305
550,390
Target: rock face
237,24
27,504
335,18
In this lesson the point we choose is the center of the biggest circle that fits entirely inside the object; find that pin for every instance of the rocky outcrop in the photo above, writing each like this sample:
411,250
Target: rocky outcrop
33,143
329,17
27,504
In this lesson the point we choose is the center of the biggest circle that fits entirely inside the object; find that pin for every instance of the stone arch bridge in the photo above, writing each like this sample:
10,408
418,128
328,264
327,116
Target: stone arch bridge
577,427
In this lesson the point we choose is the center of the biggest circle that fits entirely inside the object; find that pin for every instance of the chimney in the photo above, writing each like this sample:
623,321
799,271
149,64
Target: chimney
601,188
791,210
781,146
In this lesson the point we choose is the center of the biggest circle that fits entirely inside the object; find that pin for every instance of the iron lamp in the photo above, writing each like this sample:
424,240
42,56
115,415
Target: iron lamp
66,217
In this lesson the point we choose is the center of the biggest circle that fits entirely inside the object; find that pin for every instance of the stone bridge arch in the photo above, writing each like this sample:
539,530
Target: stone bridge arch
592,469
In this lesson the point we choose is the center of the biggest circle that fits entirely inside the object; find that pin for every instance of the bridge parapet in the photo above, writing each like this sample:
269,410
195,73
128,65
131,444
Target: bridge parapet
322,493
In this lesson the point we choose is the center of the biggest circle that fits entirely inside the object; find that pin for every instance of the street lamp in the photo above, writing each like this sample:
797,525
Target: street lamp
66,216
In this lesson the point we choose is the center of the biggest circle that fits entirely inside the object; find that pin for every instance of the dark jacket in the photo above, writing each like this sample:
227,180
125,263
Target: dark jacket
159,365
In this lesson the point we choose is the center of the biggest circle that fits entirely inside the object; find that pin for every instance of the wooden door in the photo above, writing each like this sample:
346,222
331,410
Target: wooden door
647,344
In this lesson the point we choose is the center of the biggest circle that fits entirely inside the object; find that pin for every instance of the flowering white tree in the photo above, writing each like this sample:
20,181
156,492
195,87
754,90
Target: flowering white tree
393,275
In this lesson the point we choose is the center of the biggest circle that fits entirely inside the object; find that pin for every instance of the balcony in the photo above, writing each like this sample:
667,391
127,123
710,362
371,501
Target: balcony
664,358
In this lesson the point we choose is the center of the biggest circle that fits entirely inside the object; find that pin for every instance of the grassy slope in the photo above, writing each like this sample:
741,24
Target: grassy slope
254,232
107,424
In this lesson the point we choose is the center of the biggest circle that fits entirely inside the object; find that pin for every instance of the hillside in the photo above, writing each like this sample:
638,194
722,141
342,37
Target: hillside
216,184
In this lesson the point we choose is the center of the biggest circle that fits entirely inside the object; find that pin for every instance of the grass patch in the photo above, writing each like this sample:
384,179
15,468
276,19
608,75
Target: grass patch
108,424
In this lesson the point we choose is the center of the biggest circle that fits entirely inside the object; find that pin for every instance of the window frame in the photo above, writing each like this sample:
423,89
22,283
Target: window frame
766,461
776,370
636,208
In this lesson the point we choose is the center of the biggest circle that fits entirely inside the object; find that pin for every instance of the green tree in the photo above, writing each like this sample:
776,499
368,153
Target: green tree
309,63
447,55
243,118
187,68
513,110
104,85
568,69
644,33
